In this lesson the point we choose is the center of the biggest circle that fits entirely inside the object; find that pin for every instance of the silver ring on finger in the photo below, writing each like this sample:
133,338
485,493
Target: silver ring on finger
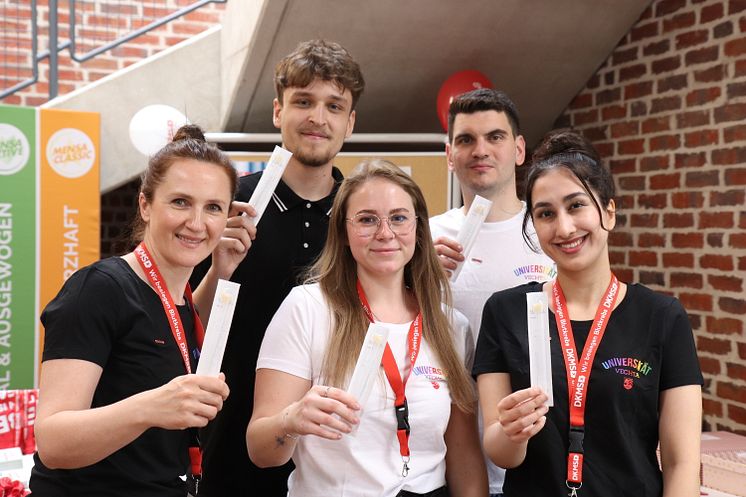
326,392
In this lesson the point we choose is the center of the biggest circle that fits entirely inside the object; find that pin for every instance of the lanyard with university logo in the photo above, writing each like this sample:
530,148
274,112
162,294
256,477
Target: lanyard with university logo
398,384
177,330
579,371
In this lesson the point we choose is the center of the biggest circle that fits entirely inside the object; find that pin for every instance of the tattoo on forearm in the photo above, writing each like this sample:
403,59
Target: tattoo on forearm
280,441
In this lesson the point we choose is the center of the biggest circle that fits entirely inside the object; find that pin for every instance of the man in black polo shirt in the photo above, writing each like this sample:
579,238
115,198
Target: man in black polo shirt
317,88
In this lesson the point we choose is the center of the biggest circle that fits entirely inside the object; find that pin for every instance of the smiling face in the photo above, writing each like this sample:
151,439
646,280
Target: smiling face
567,222
383,254
187,214
484,152
314,121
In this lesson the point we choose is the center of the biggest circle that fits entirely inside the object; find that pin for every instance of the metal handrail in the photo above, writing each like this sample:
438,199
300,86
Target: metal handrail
70,44
134,34
35,63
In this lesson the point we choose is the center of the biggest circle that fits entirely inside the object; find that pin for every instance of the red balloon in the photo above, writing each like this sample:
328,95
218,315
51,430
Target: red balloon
456,84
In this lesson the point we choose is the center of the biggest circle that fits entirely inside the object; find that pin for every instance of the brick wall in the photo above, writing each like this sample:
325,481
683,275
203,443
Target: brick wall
100,21
668,111
118,209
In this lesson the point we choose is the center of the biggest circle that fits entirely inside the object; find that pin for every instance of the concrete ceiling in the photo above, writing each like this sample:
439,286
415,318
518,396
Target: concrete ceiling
541,52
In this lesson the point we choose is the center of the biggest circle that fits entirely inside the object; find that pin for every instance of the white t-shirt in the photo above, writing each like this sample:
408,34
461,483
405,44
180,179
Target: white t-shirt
367,463
499,259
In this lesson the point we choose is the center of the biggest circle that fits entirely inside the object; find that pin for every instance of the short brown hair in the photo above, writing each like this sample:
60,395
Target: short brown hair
325,60
481,100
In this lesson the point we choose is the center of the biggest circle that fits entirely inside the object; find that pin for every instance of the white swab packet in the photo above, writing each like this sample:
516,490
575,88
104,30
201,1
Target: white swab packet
271,175
368,364
539,349
216,335
467,235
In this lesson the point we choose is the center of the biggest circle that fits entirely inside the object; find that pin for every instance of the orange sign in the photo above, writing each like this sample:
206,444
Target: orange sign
69,198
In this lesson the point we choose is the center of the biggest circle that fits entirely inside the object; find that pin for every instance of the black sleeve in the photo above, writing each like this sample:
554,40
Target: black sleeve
81,322
680,365
199,272
488,357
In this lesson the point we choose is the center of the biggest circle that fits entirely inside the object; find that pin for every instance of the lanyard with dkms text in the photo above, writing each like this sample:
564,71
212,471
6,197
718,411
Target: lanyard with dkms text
578,374
177,330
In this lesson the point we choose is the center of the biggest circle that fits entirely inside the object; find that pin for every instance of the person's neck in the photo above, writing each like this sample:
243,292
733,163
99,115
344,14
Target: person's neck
505,204
388,298
176,279
309,183
584,291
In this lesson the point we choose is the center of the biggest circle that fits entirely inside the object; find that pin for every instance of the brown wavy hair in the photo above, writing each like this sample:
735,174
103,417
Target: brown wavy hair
319,59
336,273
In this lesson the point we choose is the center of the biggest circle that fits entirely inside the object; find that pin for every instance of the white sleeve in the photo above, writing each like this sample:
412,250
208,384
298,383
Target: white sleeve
438,227
463,338
286,345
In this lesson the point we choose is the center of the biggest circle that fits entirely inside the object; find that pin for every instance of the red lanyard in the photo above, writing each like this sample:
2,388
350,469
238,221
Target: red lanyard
172,315
177,329
398,384
579,373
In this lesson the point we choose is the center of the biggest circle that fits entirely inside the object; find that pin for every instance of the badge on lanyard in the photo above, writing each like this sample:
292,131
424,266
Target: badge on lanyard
398,384
177,330
578,370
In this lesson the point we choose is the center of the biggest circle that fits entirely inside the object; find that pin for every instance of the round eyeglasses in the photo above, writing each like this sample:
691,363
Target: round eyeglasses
367,224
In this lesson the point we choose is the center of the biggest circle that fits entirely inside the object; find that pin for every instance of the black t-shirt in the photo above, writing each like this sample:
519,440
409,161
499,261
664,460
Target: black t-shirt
648,347
107,315
289,238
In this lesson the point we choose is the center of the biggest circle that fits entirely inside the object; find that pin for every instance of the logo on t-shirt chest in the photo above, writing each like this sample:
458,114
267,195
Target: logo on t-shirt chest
535,272
629,368
434,375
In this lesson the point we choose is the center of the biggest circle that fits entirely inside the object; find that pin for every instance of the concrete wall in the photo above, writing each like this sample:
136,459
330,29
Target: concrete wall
99,22
186,77
248,32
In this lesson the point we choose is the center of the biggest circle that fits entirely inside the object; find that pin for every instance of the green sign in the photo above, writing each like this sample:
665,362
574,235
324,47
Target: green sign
18,208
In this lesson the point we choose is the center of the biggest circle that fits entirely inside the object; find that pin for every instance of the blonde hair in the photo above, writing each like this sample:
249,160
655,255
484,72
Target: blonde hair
336,273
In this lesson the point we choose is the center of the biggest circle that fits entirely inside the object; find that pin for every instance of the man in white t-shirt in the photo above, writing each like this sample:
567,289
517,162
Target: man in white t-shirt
484,148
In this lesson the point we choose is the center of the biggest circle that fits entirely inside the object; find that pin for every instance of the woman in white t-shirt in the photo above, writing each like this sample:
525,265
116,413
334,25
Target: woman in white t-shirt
378,265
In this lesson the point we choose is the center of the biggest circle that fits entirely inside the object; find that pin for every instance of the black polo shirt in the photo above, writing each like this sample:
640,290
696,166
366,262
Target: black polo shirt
289,237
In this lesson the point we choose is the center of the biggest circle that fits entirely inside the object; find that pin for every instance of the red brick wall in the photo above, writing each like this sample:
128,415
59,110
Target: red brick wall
109,19
106,21
668,111
118,209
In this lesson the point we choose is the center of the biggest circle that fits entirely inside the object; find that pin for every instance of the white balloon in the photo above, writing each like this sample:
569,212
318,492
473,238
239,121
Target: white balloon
154,126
